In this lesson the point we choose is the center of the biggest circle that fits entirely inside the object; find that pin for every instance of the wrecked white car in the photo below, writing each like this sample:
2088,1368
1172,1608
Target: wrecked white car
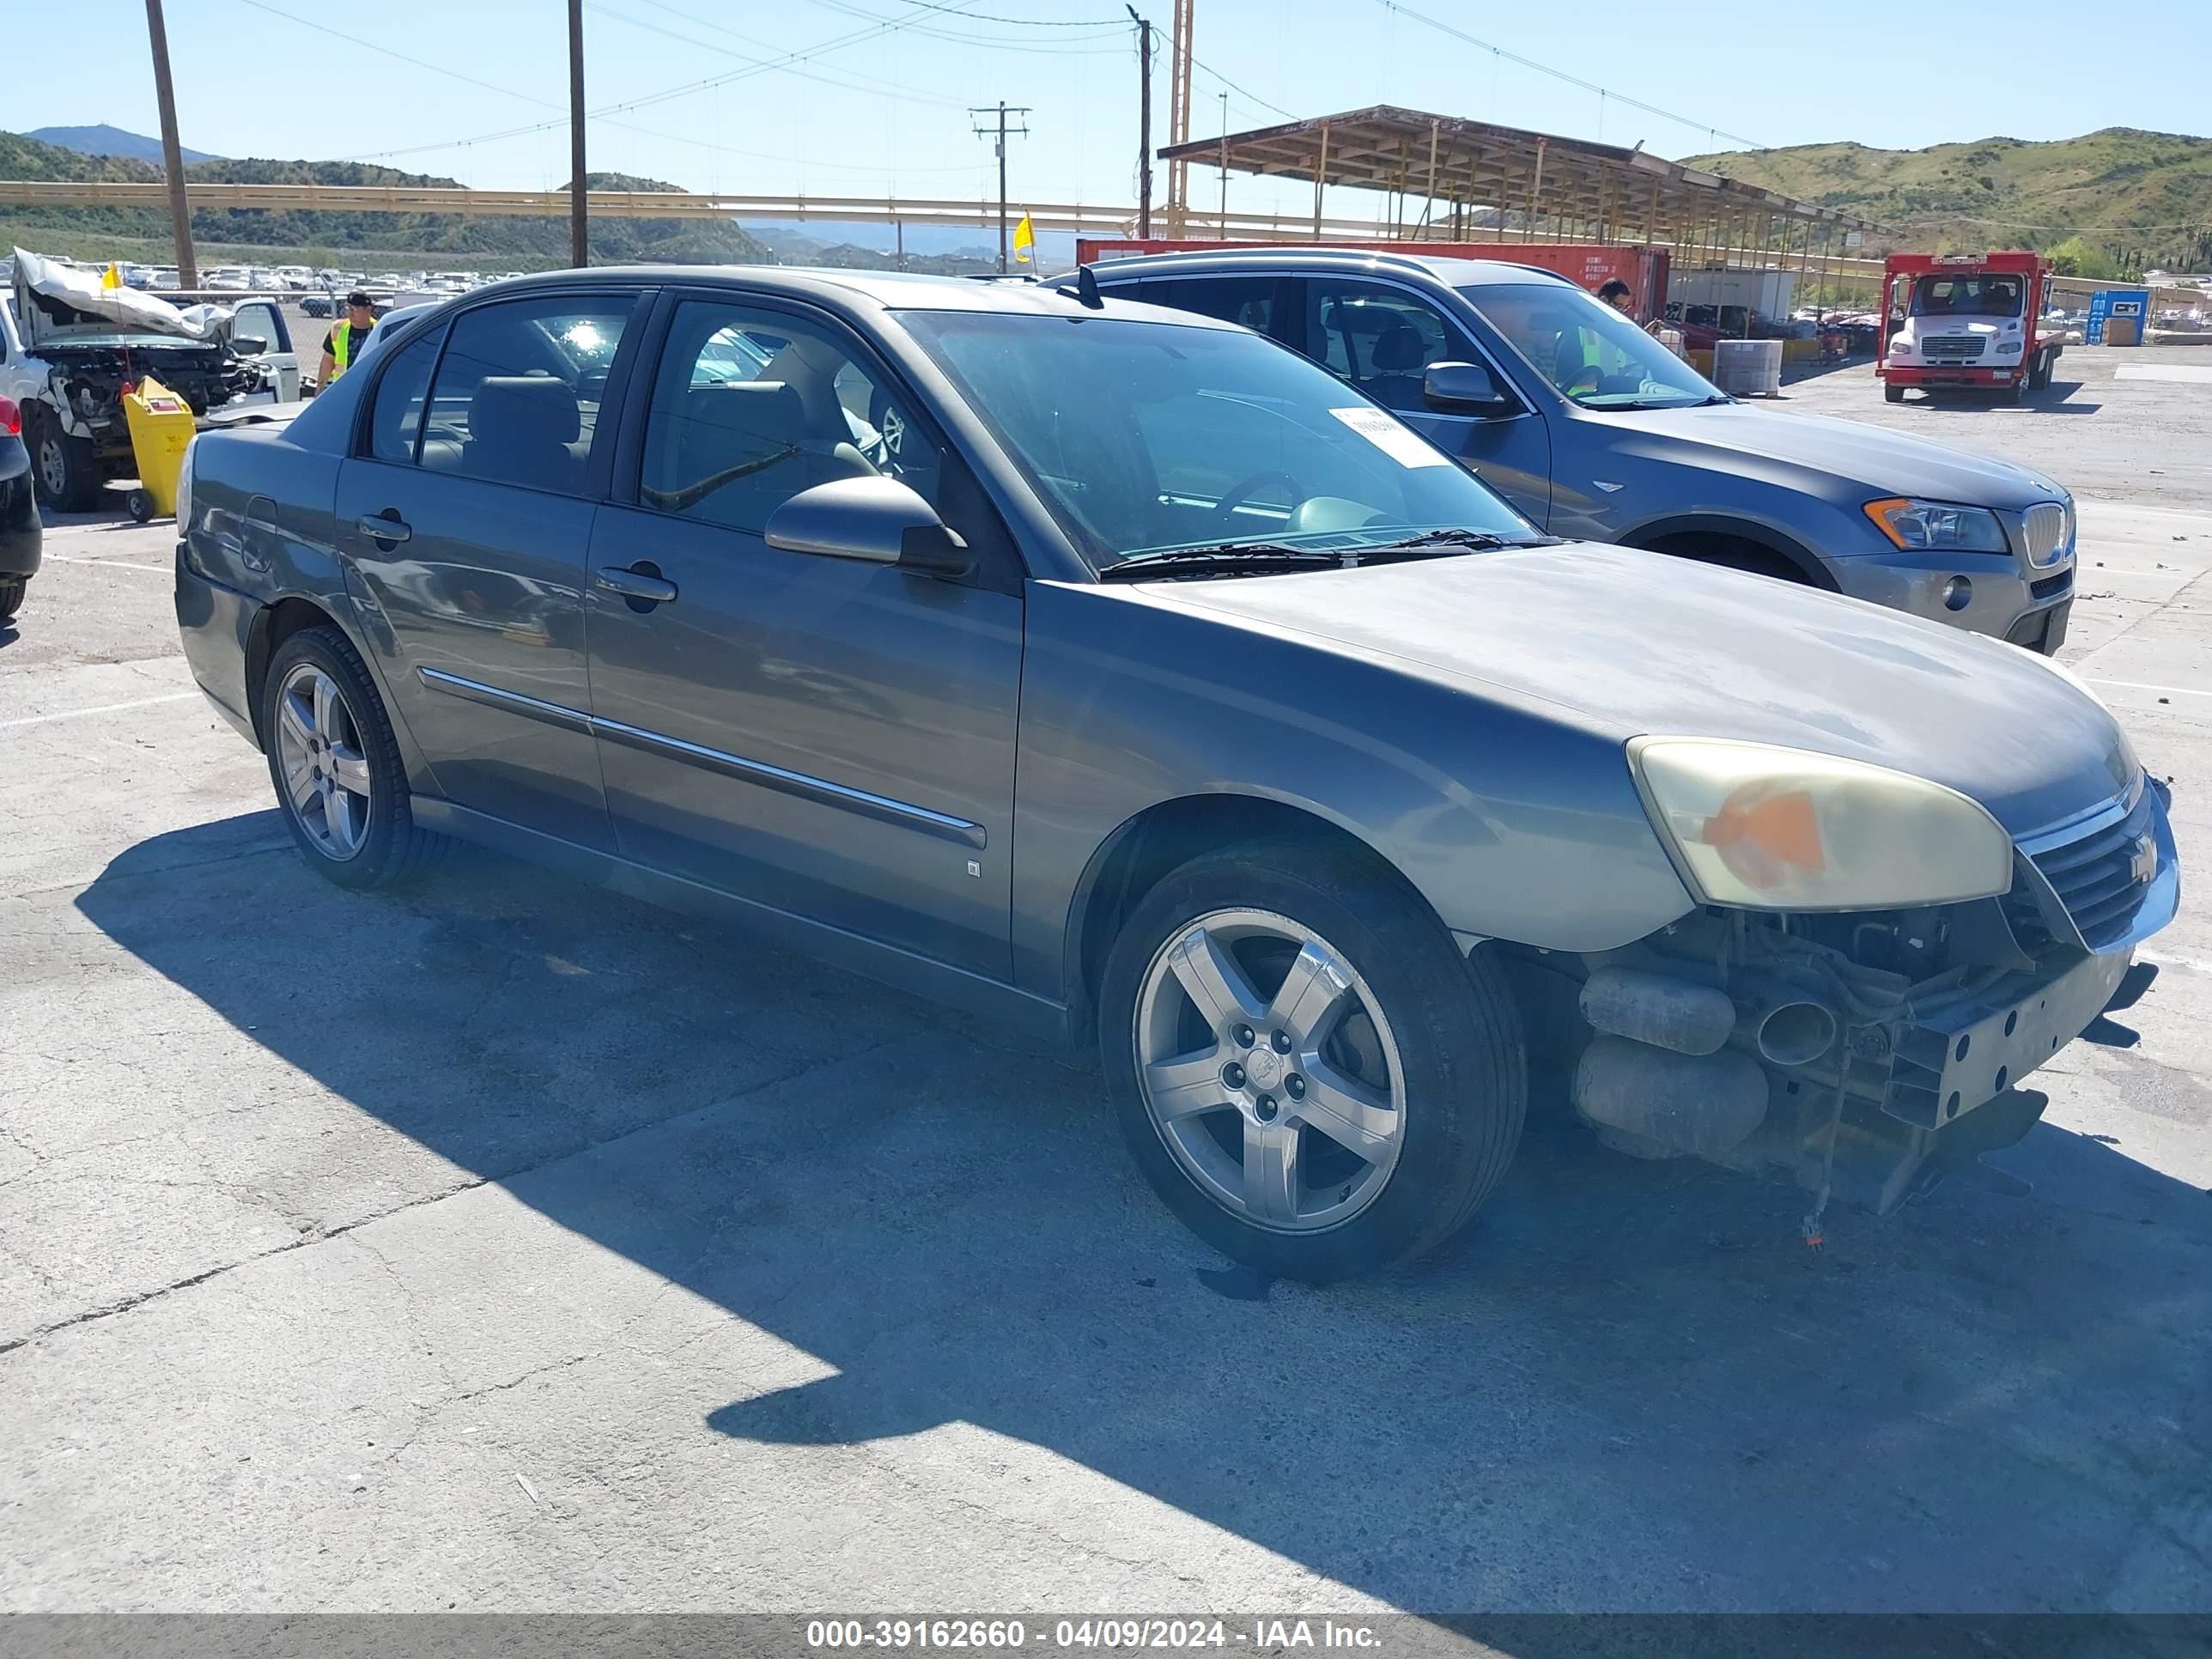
69,349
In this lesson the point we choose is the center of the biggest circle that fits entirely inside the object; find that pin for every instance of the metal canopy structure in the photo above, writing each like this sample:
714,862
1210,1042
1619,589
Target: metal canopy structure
1456,179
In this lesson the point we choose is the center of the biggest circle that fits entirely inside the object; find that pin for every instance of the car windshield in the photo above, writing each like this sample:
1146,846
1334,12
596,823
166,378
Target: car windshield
1966,296
1143,437
1589,351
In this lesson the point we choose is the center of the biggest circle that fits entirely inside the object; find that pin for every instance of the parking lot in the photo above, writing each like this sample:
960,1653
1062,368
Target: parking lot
507,1245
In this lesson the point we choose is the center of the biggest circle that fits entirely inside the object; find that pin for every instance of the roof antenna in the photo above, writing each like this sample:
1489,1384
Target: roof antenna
1086,289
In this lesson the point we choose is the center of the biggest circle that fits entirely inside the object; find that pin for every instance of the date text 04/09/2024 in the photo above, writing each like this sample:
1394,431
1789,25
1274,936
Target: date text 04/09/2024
1259,1634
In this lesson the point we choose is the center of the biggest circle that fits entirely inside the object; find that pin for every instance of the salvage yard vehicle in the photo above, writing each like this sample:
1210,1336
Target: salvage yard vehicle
69,350
1967,322
1150,687
1595,431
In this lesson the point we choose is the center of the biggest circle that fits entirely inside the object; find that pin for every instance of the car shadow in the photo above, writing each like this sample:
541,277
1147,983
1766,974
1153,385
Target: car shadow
1629,1385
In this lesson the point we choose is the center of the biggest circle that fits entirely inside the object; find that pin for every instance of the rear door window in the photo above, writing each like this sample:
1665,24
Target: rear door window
1254,302
519,390
395,420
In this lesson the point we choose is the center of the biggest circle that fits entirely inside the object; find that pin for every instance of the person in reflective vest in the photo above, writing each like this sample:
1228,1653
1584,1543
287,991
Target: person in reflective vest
342,345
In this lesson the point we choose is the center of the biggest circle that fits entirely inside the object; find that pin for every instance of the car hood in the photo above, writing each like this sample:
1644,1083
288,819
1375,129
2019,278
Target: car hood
1871,461
1624,643
56,303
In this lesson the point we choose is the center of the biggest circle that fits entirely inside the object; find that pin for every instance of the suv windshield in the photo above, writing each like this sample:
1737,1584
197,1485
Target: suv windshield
1589,351
1146,436
1966,296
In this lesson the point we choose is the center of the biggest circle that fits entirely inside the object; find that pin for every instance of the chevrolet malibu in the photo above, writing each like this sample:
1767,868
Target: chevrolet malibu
1122,674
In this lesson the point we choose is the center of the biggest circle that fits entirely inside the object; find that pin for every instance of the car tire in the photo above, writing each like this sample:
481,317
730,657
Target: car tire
12,589
326,735
1893,394
1389,1036
66,469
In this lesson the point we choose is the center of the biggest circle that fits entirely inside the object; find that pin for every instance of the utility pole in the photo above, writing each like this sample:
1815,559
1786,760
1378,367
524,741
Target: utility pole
1000,112
173,153
1222,229
1144,123
580,232
1179,62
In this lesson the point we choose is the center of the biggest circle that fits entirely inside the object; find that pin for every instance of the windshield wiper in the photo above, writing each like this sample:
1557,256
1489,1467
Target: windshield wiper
1467,539
1228,559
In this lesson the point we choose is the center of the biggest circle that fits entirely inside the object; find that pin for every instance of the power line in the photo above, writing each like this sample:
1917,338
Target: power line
1025,22
991,42
1571,79
880,88
1248,97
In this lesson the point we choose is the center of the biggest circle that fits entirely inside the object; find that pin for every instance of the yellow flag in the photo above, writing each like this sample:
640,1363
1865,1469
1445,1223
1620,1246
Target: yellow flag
1024,239
112,276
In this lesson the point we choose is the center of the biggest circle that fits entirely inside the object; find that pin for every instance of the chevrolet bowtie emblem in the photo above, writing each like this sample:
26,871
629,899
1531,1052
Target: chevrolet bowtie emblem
2143,865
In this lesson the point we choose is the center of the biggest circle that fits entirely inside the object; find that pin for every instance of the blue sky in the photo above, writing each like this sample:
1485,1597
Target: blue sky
887,111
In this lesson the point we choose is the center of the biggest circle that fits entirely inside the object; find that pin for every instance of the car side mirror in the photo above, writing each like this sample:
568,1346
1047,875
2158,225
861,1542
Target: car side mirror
248,345
876,520
1465,389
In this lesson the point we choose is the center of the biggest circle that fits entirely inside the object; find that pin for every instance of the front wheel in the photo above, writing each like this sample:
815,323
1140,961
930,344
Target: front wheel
1891,394
1309,1073
336,764
67,470
12,589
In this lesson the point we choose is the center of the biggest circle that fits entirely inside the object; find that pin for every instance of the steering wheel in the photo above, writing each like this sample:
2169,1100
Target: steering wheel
1244,491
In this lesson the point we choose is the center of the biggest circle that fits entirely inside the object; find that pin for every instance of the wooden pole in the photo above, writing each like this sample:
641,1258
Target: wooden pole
579,231
1144,126
172,155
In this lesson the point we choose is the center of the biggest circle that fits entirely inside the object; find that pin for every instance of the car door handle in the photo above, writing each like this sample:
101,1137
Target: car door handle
642,583
384,526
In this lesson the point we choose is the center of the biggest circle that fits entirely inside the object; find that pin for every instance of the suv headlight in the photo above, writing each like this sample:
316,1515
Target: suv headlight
1765,828
1937,526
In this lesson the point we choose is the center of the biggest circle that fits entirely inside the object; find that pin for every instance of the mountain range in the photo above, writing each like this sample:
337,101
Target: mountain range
104,140
2142,200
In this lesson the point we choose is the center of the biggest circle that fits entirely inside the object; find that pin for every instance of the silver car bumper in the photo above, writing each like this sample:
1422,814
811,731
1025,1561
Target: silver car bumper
2000,598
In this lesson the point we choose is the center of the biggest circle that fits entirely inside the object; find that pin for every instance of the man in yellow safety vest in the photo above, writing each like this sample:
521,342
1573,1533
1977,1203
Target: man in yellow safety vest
343,344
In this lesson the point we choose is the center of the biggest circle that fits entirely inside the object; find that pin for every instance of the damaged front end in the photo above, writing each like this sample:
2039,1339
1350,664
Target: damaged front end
1866,1054
85,384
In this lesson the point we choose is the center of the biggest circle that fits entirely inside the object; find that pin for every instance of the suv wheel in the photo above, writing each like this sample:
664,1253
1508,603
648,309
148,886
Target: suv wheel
11,596
1305,1067
336,764
67,470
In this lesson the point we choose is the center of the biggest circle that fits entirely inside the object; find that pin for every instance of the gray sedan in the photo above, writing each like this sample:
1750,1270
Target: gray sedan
1143,685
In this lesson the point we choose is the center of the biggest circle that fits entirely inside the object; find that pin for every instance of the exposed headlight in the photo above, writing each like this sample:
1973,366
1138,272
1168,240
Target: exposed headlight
1900,344
1764,827
1938,527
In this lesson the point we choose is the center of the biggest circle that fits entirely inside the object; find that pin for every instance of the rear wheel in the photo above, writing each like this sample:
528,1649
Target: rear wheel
1309,1073
336,765
67,470
12,589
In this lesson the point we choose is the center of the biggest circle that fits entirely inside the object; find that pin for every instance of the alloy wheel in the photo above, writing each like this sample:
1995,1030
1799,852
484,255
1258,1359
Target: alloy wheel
1269,1071
320,756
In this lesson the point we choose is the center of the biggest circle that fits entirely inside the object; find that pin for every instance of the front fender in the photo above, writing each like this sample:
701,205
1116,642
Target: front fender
1510,819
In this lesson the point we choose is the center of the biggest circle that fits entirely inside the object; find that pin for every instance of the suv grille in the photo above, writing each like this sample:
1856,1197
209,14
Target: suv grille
1952,348
2049,527
2096,876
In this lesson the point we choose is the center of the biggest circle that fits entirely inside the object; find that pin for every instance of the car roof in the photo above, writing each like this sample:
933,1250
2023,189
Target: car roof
1452,272
884,290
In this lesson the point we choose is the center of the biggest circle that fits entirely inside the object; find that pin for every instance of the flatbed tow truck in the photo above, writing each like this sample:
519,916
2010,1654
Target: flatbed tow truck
1966,321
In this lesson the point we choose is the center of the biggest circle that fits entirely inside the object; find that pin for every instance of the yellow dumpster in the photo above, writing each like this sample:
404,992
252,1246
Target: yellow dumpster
160,425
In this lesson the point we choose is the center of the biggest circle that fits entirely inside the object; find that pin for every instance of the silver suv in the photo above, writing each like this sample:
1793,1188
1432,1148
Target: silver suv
1599,433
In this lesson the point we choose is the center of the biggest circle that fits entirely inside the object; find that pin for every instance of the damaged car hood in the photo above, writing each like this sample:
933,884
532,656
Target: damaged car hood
1627,643
59,305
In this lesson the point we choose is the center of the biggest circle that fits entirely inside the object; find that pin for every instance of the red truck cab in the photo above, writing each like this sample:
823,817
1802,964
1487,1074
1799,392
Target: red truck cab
1965,320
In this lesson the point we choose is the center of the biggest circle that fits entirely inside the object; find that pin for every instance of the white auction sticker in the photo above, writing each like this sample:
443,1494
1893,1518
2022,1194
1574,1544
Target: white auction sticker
1392,439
